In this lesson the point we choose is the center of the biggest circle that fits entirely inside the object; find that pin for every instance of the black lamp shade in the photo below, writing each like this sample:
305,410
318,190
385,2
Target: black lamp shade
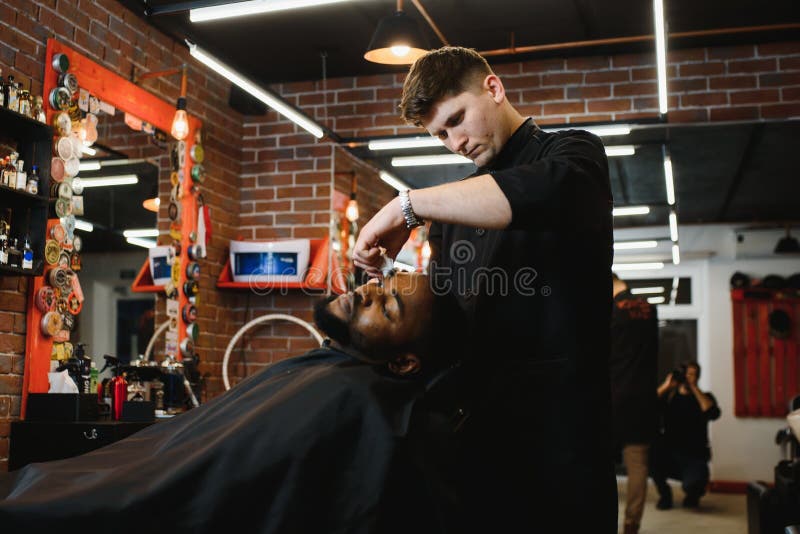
787,245
396,30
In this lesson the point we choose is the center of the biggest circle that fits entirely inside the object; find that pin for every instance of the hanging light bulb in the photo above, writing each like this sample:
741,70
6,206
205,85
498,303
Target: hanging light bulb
180,122
351,212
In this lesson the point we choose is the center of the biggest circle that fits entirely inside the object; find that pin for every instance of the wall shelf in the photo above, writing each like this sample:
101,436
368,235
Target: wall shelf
143,283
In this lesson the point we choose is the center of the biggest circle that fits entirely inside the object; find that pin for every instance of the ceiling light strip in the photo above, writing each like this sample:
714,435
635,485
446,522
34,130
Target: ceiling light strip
261,94
668,179
630,210
141,232
251,7
139,242
656,300
89,166
676,254
103,181
661,55
393,181
646,290
673,226
404,143
620,150
645,266
440,159
634,245
599,131
84,226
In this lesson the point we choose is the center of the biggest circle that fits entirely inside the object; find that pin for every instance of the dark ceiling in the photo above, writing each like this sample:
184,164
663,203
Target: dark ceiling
737,173
288,45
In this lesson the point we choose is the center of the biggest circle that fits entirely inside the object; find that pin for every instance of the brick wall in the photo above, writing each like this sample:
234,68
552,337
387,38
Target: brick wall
116,38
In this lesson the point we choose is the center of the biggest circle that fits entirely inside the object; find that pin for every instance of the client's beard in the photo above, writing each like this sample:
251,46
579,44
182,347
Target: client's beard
332,326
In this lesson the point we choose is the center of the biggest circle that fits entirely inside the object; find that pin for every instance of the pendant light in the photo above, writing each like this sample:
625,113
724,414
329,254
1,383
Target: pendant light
351,212
180,122
398,40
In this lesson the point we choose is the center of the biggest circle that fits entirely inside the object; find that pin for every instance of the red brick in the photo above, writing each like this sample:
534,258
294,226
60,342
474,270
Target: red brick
588,63
644,73
339,83
615,104
589,91
10,385
276,129
635,89
376,80
563,108
530,110
6,322
734,113
272,154
688,115
780,111
789,94
311,205
562,78
32,28
375,108
273,232
275,180
608,76
779,49
305,232
296,165
681,56
314,151
296,139
298,87
732,52
312,178
754,65
755,97
278,205
704,99
311,99
6,363
779,79
701,69
20,326
388,93
505,69
685,85
12,301
789,63
263,193
633,60
543,65
355,95
556,119
543,95
295,192
732,82
522,82
264,219
645,103
293,218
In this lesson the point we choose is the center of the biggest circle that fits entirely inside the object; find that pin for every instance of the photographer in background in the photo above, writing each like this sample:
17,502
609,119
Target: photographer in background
682,450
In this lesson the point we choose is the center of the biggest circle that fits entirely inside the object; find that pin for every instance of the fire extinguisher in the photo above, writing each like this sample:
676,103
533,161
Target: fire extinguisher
119,394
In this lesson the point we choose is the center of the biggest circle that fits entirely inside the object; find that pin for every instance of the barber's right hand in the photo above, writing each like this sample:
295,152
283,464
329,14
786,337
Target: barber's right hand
670,382
387,230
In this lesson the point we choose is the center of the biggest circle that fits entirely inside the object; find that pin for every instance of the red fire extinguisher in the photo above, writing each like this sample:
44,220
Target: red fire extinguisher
119,394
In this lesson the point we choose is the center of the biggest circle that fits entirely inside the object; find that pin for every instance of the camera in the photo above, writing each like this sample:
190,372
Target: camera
679,374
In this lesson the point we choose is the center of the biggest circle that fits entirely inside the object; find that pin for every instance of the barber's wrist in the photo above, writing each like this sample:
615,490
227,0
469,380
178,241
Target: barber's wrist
410,217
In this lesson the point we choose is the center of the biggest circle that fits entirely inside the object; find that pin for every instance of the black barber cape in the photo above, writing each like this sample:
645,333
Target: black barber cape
535,301
309,445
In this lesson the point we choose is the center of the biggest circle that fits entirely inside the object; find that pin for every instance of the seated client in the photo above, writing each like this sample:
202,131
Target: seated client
315,443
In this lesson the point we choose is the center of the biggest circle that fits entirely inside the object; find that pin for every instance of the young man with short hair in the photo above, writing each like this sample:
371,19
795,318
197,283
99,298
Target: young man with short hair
524,249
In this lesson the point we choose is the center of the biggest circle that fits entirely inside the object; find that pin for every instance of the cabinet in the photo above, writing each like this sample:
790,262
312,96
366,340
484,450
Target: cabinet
33,141
44,441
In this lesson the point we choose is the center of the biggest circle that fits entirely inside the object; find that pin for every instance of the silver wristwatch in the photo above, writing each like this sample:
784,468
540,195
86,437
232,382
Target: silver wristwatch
412,221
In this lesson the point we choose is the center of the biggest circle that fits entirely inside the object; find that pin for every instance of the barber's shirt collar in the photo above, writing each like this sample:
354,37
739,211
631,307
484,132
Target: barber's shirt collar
515,143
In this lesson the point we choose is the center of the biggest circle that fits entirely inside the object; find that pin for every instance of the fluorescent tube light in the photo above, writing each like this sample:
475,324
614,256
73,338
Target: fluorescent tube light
121,179
84,226
669,181
656,300
264,96
646,266
404,267
661,55
89,166
114,162
673,227
88,150
676,254
252,7
630,210
399,144
620,150
634,245
646,290
141,232
441,159
674,293
393,181
139,242
599,131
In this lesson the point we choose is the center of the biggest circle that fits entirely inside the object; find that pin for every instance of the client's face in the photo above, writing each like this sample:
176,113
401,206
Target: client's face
379,320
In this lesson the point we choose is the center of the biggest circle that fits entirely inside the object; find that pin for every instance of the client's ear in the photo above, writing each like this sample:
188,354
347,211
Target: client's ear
405,364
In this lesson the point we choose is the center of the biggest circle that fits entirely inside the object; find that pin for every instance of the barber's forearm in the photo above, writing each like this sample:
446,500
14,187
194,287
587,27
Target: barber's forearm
702,399
477,201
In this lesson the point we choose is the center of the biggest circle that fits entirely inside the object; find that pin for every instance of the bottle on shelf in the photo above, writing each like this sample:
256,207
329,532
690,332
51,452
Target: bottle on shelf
12,94
14,254
4,230
32,186
22,176
27,254
25,104
38,109
2,90
9,178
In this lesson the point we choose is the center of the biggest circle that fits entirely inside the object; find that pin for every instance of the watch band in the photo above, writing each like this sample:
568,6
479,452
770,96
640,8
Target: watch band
412,221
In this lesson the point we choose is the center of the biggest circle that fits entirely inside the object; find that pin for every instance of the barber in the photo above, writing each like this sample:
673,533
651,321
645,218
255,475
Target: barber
523,248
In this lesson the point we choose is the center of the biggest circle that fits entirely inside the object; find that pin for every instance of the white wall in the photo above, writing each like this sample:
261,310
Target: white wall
743,448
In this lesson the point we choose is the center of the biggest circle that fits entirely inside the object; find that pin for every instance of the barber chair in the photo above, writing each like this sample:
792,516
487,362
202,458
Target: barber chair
776,510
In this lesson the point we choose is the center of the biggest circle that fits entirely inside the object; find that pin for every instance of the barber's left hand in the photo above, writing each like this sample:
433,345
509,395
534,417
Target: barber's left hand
386,229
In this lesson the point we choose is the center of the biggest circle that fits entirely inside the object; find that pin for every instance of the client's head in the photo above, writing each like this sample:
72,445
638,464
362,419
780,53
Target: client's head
389,323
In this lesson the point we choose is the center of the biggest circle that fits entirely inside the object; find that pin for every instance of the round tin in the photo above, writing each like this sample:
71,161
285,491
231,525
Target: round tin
77,146
77,243
197,153
62,123
195,252
74,304
63,207
45,299
51,323
77,186
64,259
189,313
68,321
192,330
72,166
170,290
187,347
68,81
191,288
57,232
60,98
57,169
69,226
198,173
64,147
193,270
173,211
51,251
60,62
